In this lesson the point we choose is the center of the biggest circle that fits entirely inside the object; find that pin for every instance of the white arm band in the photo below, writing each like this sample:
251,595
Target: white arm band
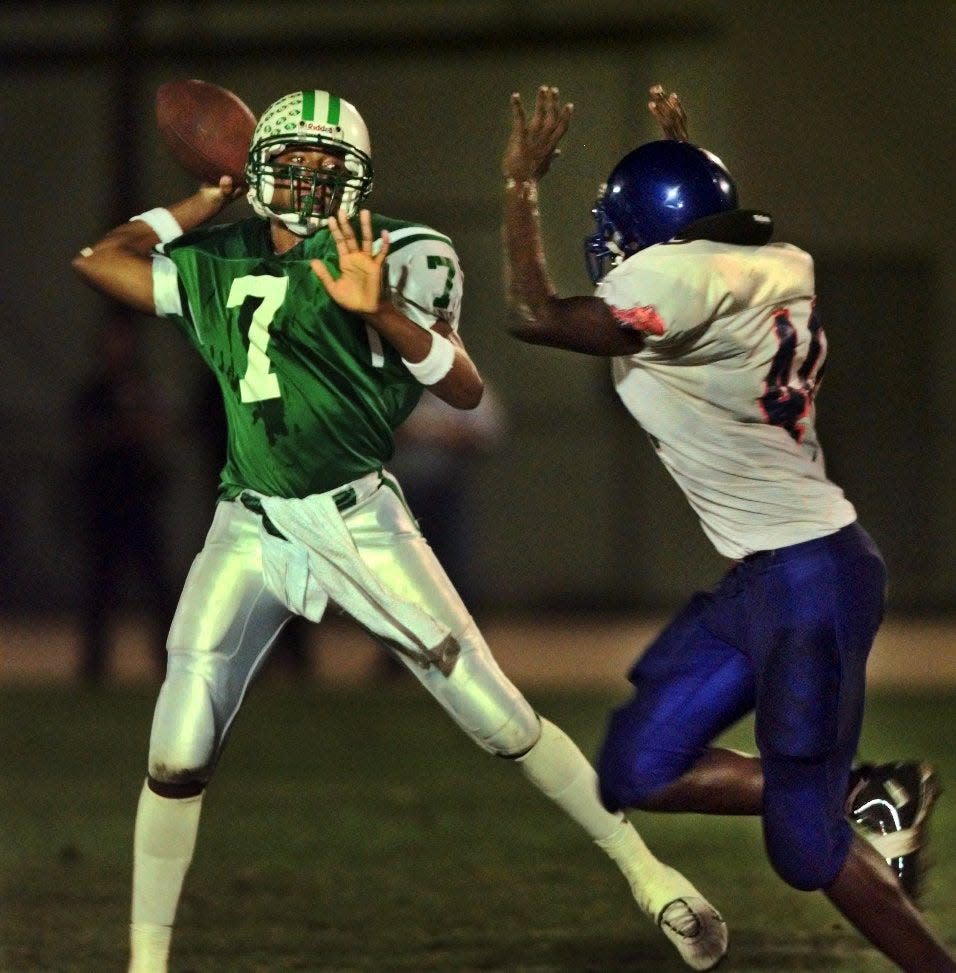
436,364
162,223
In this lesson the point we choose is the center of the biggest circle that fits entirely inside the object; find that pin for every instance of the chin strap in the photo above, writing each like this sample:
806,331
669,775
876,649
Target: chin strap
300,227
293,222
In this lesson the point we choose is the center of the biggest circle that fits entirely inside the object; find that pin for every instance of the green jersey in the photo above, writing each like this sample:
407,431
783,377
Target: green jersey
311,392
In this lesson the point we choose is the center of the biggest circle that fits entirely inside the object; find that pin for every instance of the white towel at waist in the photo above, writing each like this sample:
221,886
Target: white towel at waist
316,561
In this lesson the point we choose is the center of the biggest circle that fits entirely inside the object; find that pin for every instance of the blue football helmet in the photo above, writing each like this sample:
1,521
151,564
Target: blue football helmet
653,193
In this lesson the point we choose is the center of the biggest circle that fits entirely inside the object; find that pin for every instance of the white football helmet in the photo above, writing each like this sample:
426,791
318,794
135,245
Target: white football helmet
315,120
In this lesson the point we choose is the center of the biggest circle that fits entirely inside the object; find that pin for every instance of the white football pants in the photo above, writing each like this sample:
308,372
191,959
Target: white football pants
228,619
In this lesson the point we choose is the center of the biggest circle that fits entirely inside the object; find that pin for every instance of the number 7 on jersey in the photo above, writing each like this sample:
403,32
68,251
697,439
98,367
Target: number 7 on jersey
259,382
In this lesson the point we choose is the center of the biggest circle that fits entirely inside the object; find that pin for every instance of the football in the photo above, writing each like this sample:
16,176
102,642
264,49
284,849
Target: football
207,128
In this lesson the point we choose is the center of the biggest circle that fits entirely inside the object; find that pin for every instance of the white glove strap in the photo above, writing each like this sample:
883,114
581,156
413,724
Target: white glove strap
436,364
161,222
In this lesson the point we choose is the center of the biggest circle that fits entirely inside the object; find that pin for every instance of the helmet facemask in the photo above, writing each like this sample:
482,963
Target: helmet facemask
314,121
603,250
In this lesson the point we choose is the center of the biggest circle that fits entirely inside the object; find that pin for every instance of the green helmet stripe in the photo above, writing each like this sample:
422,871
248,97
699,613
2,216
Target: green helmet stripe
335,109
308,105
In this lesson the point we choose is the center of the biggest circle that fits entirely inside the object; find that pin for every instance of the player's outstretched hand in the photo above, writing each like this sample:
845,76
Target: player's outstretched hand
358,287
533,145
669,113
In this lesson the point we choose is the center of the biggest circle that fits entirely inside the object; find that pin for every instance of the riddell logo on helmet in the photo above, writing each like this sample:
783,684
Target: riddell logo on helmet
318,127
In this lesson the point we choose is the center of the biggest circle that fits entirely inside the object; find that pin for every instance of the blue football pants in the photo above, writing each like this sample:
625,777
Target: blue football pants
785,634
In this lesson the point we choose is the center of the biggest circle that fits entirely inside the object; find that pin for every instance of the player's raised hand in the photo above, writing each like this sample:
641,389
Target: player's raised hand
668,112
358,287
533,145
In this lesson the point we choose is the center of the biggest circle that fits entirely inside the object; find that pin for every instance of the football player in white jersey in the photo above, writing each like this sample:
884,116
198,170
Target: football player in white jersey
716,349
317,365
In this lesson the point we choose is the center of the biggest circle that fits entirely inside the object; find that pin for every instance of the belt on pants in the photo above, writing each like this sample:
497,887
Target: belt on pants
343,499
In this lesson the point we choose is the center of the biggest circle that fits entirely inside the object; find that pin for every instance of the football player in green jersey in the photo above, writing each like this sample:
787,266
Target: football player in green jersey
322,323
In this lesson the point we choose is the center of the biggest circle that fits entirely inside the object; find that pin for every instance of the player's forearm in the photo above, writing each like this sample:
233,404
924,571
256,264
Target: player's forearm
438,360
139,236
582,324
119,265
410,340
463,386
527,283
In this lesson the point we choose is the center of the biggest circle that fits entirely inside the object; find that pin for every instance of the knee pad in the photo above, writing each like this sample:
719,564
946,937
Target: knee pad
516,737
805,833
502,720
807,866
184,740
630,768
485,704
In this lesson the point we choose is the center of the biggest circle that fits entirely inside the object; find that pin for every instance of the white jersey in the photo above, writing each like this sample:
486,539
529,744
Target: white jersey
725,385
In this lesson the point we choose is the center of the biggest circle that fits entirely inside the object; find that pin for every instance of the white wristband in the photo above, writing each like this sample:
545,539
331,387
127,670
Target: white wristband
161,222
436,364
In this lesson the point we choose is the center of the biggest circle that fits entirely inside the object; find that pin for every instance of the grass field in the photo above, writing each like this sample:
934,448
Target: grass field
356,829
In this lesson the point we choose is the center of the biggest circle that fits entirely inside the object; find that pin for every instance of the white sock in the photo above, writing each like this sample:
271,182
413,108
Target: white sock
163,844
559,770
149,947
653,883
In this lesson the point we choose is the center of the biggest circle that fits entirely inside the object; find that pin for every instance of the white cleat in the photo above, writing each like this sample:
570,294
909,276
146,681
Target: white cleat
696,929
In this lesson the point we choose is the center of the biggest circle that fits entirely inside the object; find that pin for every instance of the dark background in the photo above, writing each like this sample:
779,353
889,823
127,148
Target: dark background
835,115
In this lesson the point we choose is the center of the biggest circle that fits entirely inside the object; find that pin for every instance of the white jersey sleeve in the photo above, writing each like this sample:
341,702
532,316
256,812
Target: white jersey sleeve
664,291
725,386
425,280
165,286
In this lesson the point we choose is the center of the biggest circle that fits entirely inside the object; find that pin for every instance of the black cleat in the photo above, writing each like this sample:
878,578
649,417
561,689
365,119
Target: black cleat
890,805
